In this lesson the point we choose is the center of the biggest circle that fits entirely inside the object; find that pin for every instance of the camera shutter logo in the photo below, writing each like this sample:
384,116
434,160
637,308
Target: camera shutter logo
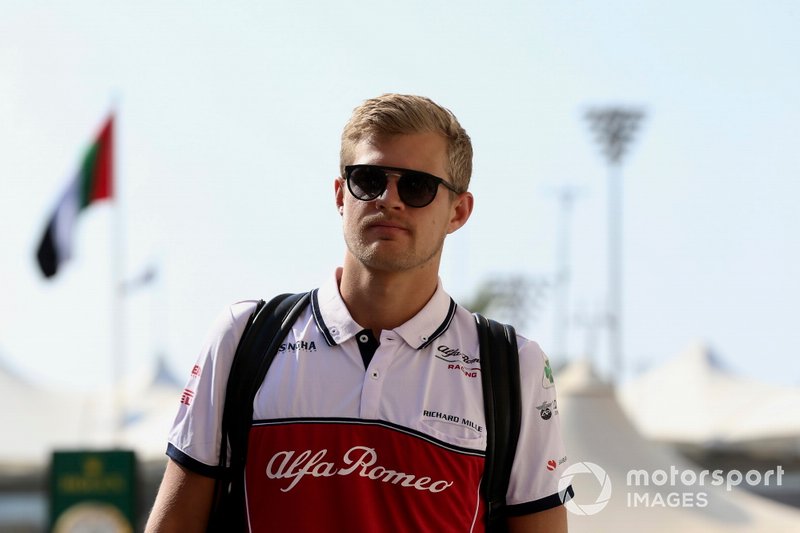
602,479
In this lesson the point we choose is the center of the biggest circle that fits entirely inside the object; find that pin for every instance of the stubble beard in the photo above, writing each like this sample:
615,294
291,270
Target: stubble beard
376,257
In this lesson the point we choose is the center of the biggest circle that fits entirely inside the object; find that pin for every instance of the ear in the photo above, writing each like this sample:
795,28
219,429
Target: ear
338,187
461,209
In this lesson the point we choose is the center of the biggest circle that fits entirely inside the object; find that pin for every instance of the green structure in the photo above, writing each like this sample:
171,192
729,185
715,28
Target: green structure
93,491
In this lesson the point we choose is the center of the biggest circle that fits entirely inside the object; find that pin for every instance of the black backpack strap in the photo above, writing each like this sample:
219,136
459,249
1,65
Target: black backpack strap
268,326
502,399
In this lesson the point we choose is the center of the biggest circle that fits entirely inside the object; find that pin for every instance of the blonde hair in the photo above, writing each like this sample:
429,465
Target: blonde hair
397,114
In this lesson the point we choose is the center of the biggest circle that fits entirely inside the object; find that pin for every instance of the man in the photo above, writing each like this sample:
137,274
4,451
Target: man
371,415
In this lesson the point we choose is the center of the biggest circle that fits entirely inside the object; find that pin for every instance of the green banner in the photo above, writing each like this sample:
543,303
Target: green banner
93,491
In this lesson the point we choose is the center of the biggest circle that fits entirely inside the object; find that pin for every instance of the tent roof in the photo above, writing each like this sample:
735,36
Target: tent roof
39,420
694,399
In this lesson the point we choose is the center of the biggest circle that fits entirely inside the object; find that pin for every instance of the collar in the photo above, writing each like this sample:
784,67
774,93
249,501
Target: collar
337,326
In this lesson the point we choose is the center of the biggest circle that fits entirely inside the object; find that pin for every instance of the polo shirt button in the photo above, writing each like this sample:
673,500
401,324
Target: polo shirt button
375,374
424,338
363,338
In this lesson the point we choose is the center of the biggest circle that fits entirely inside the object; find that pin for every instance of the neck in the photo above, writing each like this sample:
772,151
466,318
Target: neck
379,300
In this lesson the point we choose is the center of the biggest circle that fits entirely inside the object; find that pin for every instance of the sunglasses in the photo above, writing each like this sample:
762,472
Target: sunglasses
416,188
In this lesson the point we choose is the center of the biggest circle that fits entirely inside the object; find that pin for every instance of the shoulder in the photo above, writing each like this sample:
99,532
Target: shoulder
530,349
240,311
534,364
224,334
232,319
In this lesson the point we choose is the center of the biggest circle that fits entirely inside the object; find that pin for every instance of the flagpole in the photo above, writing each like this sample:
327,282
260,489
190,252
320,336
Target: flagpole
117,248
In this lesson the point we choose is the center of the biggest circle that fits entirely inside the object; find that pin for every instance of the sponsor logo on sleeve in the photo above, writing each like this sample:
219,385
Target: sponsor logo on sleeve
547,375
186,396
548,409
552,464
196,371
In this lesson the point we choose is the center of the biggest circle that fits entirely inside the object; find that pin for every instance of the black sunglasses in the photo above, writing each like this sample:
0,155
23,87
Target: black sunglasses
416,188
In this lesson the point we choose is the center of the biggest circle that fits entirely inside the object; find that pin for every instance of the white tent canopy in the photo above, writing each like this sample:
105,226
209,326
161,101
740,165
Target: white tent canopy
37,421
693,400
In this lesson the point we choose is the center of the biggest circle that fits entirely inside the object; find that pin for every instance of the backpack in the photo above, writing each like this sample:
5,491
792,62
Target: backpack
265,330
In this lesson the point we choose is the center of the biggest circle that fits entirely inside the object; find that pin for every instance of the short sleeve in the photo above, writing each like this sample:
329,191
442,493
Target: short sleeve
194,440
541,455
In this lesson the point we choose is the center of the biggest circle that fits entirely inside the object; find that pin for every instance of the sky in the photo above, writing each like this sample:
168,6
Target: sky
228,120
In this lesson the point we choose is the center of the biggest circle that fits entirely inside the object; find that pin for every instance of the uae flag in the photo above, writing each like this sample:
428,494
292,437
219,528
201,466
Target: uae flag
94,181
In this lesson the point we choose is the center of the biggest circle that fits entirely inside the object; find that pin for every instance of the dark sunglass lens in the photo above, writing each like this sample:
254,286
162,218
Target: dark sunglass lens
367,183
417,190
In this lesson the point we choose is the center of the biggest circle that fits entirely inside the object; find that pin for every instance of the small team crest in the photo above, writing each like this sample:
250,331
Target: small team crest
547,375
547,409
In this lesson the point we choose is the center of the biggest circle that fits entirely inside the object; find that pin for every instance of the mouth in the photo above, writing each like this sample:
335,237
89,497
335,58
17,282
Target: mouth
386,224
386,229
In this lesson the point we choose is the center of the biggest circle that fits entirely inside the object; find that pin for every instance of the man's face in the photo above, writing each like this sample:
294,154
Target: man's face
387,235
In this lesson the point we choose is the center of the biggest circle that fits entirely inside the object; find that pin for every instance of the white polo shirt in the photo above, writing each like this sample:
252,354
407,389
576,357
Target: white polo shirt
357,434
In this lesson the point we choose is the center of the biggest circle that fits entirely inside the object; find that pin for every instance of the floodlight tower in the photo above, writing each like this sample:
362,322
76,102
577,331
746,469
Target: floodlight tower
614,128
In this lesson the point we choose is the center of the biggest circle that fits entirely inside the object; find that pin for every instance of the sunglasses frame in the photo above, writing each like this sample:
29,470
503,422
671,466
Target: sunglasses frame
403,172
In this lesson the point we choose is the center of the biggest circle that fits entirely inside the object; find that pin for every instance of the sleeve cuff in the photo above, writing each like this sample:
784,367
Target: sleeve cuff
193,464
542,504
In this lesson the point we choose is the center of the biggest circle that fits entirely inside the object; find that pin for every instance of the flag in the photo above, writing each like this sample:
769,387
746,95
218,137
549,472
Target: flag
94,181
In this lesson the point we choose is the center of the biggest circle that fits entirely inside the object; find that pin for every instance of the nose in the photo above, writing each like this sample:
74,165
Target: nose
390,198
